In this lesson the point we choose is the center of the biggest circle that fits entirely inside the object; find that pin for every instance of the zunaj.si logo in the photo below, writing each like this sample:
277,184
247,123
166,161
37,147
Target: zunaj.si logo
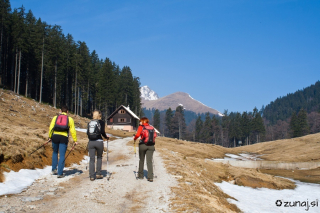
278,203
306,204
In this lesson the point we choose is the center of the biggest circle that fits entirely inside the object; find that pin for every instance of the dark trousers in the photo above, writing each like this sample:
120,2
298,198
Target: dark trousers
95,147
145,150
59,144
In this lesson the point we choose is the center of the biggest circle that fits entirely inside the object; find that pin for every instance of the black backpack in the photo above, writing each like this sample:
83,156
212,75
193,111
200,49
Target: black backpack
94,130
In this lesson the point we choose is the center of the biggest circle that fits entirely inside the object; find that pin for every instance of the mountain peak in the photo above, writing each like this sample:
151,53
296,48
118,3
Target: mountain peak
176,99
148,94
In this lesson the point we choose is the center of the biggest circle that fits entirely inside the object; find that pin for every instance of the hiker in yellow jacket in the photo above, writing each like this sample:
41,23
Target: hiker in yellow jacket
58,133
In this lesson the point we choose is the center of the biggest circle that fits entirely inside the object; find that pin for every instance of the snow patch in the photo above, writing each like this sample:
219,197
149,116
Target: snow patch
304,198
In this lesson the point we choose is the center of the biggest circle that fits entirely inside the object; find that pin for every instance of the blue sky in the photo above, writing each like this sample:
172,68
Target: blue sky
231,54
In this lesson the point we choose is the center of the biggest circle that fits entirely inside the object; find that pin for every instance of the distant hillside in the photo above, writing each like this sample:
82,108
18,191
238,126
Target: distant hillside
283,107
176,99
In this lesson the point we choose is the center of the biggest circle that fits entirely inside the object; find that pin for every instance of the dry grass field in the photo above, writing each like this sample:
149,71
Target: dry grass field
302,149
24,127
188,162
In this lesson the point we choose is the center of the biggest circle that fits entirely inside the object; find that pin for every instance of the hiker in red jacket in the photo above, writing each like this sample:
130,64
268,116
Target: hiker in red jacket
146,147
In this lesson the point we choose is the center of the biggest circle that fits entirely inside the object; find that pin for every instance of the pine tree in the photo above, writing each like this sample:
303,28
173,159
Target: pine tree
207,129
303,123
257,124
225,123
5,9
156,119
168,121
235,132
178,124
294,126
245,127
216,128
199,126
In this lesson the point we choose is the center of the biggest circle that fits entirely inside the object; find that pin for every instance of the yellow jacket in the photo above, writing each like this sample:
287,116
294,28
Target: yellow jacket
72,128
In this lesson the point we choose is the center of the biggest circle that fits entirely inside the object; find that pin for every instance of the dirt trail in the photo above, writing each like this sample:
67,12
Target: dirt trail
76,193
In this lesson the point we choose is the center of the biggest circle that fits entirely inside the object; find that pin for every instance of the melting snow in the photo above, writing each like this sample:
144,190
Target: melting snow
304,198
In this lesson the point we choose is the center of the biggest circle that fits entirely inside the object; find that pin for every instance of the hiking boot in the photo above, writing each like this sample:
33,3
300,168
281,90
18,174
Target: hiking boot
150,180
60,176
54,172
99,176
92,179
140,178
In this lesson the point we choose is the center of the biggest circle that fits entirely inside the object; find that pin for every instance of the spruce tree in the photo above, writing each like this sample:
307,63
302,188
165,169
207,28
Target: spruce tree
245,127
294,126
199,125
207,129
168,121
257,125
178,124
156,119
303,123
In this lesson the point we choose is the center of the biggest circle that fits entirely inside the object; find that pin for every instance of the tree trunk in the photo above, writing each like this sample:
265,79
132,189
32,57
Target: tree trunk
41,77
15,72
88,98
1,71
234,141
55,84
67,86
78,104
81,102
75,95
26,93
18,88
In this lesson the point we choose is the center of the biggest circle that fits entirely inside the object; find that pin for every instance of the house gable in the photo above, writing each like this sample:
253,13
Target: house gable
123,118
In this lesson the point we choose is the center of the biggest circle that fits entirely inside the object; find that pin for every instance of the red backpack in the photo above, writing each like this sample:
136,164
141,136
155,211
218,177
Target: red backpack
148,135
62,123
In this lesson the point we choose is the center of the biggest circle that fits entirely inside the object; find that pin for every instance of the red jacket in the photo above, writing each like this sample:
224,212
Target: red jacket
140,131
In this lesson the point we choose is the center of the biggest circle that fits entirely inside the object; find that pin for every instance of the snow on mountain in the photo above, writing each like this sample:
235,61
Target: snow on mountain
148,94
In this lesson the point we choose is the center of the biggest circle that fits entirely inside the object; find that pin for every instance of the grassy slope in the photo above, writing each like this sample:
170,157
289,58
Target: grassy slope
24,125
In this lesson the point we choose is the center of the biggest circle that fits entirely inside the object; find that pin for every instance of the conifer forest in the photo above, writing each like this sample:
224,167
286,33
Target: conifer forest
39,61
294,115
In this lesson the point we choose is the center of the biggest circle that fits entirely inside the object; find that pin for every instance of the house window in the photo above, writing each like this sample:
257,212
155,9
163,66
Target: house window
111,120
121,120
122,111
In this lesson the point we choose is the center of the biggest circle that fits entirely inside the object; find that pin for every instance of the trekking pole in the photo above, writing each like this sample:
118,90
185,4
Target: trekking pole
40,147
154,168
135,155
108,159
88,161
69,152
